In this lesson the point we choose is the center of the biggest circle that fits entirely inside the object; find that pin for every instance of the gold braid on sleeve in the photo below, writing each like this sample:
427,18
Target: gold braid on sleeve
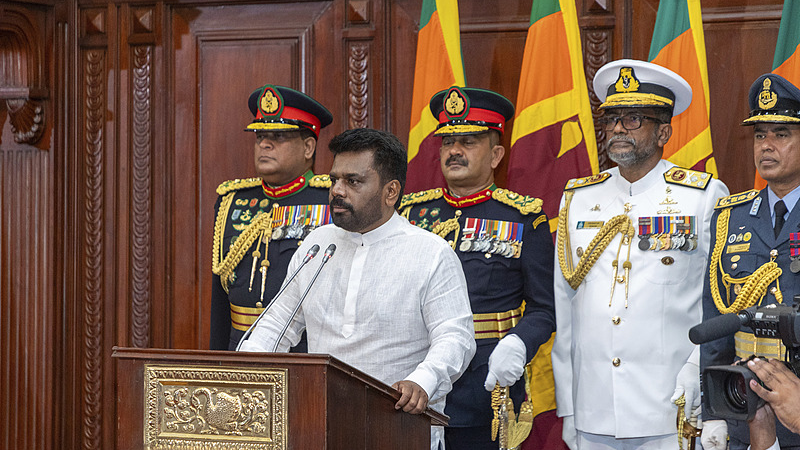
618,224
755,285
237,251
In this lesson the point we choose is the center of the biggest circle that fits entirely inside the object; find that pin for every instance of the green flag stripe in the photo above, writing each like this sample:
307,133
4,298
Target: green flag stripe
543,8
428,8
789,33
672,20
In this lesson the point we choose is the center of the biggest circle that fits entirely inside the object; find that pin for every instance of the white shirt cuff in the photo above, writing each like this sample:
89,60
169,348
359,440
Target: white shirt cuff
774,446
425,380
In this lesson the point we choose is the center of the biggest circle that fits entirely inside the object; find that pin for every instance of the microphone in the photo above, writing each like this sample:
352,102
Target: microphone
312,252
719,326
325,257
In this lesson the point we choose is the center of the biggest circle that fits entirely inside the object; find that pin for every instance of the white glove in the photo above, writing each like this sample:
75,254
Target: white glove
715,435
568,432
688,384
506,363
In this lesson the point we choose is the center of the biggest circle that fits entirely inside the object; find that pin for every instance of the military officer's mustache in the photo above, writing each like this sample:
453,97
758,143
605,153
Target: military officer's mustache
460,160
621,137
337,202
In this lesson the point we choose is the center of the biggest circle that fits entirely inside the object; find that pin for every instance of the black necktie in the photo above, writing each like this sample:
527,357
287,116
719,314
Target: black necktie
780,210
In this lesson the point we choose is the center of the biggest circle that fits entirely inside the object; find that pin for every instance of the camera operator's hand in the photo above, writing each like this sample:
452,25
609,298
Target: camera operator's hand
762,429
568,432
688,385
714,435
784,396
506,363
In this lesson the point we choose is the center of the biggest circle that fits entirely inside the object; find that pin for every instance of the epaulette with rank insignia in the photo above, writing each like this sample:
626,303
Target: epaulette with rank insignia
525,204
420,197
235,185
320,181
686,177
736,199
587,181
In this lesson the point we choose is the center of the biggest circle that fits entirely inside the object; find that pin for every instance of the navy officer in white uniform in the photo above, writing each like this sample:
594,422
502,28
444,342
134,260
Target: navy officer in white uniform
631,249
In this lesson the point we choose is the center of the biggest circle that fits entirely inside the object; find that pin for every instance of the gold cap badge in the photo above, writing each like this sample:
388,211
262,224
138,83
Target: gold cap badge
767,98
269,103
627,81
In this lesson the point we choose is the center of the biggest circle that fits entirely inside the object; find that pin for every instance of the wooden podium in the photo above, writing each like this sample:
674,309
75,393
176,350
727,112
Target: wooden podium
200,399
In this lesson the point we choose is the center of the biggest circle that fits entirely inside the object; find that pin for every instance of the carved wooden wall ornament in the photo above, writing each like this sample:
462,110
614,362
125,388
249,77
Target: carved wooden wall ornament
22,83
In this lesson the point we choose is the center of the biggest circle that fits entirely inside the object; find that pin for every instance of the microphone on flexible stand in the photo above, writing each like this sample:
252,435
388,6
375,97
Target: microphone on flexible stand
328,253
312,252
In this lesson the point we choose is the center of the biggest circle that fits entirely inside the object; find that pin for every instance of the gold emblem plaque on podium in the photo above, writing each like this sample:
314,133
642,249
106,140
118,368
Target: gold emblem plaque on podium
204,400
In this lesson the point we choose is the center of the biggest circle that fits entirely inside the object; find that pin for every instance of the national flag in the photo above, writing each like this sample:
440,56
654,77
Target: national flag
787,53
678,44
553,138
552,141
438,66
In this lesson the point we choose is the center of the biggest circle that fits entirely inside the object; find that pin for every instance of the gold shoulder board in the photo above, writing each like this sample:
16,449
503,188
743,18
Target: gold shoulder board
737,199
320,181
420,197
523,203
235,185
587,181
686,177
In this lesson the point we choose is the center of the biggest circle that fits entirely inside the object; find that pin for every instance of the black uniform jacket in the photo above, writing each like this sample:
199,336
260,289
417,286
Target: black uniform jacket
234,305
501,274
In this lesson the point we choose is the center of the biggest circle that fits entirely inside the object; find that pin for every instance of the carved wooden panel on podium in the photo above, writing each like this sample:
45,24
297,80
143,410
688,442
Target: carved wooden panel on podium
257,401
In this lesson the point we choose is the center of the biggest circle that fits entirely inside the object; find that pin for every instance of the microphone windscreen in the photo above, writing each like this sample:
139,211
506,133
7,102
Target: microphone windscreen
329,251
715,328
313,251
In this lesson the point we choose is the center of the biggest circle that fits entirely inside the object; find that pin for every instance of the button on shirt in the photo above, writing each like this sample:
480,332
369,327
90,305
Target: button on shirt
391,302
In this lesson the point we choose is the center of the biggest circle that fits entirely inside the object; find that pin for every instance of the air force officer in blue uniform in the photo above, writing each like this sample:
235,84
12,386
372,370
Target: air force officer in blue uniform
755,253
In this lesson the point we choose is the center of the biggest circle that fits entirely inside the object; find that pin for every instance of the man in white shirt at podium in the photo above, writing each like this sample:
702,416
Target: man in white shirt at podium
393,301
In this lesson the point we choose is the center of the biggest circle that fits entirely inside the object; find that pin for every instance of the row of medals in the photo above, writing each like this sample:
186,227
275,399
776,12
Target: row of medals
659,242
293,231
490,245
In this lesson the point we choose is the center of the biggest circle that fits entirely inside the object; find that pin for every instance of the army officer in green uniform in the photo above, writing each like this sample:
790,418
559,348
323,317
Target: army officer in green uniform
261,221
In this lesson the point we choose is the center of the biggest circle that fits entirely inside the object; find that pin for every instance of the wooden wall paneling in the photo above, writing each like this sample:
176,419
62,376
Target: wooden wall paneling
139,38
28,307
597,22
403,24
99,226
363,39
219,56
69,176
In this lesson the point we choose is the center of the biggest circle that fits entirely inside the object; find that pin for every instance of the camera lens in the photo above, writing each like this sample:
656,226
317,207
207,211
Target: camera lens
736,390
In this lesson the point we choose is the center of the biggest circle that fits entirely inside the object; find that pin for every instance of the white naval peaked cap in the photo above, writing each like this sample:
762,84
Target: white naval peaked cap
629,83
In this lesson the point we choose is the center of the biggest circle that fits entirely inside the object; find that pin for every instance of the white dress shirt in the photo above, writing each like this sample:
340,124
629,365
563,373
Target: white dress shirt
391,302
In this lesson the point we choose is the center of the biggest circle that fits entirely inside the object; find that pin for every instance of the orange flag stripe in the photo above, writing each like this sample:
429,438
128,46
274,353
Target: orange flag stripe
790,69
680,56
550,63
431,73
